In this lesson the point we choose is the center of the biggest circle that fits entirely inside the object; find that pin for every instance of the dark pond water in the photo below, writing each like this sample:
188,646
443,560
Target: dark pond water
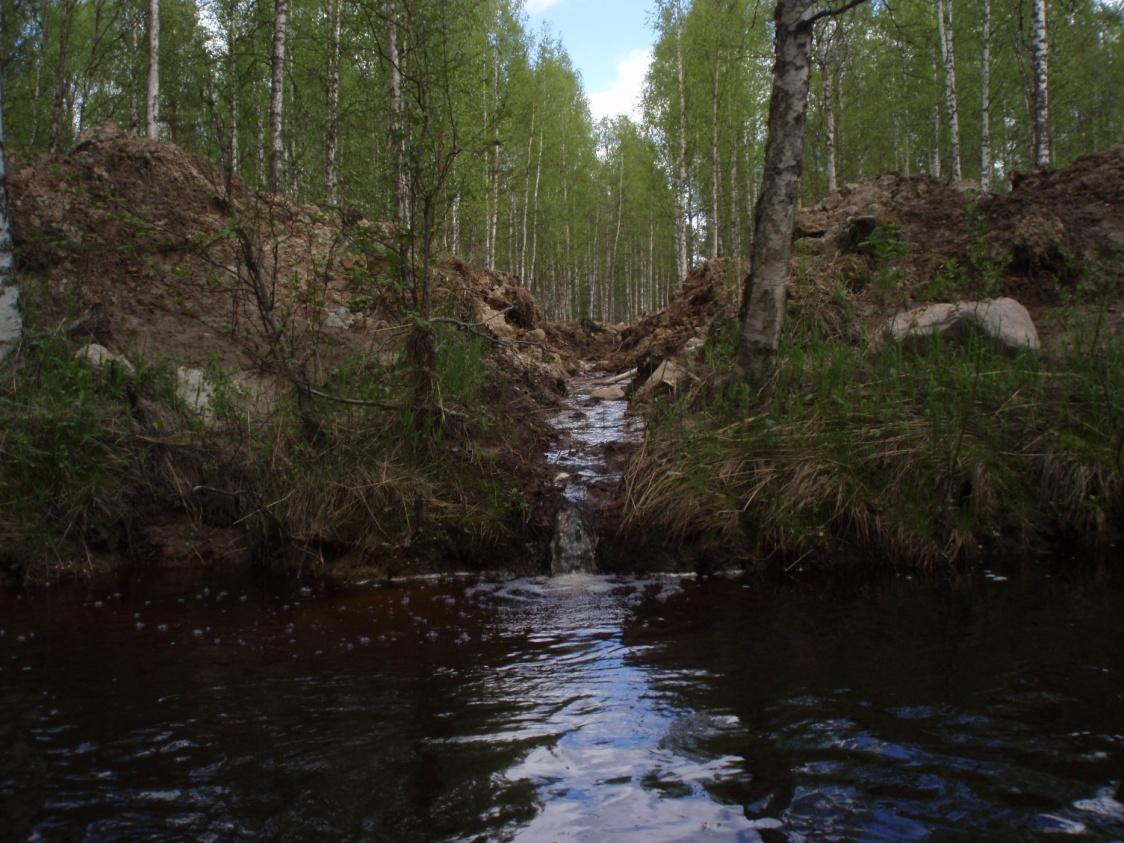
572,709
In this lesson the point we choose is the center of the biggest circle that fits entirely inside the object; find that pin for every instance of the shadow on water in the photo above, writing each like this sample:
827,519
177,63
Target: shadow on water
573,708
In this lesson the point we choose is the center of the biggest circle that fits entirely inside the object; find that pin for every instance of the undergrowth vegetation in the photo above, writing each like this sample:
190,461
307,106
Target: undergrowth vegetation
879,452
89,457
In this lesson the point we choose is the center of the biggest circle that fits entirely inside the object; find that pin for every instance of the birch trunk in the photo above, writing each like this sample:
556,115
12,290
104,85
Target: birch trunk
1041,78
681,186
985,98
527,196
935,153
152,97
331,143
11,324
397,132
277,98
766,285
829,118
535,221
944,29
715,182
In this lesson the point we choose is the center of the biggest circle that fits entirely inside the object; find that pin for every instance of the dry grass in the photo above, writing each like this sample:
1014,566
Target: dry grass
917,459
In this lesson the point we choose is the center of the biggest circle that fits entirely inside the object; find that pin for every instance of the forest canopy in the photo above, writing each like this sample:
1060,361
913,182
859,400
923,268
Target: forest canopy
599,218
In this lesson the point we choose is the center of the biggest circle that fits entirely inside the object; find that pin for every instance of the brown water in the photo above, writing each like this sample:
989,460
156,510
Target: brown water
580,708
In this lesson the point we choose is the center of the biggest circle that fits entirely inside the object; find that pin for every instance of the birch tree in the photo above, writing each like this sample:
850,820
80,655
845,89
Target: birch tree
1041,75
331,142
11,325
152,95
277,97
985,97
766,286
948,58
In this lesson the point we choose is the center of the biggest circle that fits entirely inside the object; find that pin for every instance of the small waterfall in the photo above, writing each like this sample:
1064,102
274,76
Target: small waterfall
573,549
593,418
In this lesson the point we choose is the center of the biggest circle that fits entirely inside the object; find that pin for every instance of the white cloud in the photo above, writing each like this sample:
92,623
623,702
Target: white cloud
623,95
537,7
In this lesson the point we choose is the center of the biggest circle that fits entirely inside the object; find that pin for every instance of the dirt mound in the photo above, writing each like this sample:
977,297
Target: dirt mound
709,291
146,249
933,240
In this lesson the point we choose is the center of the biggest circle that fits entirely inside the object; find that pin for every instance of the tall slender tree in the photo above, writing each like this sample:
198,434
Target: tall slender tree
152,94
985,96
1041,79
277,97
766,286
948,59
11,324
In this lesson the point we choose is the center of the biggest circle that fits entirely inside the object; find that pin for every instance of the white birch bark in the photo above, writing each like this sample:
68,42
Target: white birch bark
766,287
715,181
11,323
535,221
331,143
397,130
681,185
985,97
152,96
829,119
277,97
1041,79
948,57
935,151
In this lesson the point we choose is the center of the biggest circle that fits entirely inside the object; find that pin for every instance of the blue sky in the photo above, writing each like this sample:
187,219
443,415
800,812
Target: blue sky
609,41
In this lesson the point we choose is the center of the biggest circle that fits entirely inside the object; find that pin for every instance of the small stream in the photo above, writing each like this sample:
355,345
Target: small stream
593,420
580,708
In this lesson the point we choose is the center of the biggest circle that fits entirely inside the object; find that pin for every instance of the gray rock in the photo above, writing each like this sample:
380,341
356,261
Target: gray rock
196,392
1004,320
101,357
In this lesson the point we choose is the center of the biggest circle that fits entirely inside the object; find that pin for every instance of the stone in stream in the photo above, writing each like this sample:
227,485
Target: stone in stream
608,393
573,549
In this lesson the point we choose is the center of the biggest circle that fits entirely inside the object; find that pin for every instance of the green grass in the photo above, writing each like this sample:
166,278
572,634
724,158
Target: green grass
887,454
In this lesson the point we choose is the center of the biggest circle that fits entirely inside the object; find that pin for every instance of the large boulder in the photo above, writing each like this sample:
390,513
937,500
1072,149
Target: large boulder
1004,320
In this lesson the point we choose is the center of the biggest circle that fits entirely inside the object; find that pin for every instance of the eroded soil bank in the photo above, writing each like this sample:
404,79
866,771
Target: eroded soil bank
217,377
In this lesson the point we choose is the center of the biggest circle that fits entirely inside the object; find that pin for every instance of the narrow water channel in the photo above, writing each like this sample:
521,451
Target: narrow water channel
572,708
592,427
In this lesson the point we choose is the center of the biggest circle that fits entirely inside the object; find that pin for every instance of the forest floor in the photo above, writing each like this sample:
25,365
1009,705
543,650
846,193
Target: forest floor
213,376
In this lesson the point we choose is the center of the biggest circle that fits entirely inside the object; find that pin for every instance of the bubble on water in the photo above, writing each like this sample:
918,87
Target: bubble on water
136,616
223,595
464,638
140,626
21,638
98,604
432,636
364,640
406,600
198,633
305,591
243,599
162,627
147,602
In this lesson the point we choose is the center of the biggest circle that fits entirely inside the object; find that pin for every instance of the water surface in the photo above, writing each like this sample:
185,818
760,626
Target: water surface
581,708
